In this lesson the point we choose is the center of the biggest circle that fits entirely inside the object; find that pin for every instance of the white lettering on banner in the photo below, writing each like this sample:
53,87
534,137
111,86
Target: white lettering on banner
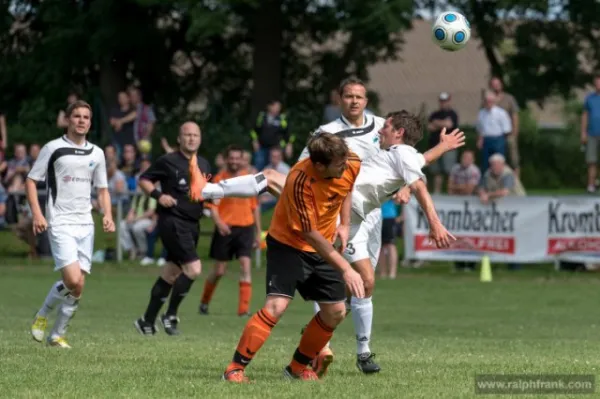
513,229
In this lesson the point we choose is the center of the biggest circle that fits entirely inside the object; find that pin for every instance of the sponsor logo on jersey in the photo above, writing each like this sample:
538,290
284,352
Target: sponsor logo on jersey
182,182
75,179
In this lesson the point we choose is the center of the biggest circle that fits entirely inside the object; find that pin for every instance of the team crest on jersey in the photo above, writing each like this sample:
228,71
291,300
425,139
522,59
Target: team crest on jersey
91,164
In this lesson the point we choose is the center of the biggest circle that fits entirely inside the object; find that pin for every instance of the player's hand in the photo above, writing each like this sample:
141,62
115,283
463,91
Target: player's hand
130,218
167,201
354,283
108,224
39,224
440,236
343,233
223,229
403,196
452,140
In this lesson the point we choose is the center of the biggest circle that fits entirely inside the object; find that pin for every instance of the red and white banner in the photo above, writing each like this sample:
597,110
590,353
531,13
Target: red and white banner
512,229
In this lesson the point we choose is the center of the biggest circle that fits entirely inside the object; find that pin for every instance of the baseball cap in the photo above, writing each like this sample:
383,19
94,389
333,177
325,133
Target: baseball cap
444,96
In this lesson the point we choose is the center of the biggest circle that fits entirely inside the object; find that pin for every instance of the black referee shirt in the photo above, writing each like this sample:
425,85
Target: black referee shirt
172,171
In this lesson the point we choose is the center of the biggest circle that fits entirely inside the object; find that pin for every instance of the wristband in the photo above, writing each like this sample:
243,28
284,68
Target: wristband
156,194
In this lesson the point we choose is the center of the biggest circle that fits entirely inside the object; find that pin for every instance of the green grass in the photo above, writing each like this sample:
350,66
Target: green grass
432,334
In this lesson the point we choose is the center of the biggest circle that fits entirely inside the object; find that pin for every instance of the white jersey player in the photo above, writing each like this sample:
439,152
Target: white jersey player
70,166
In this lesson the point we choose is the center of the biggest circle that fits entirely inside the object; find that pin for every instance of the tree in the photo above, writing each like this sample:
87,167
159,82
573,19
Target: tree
231,55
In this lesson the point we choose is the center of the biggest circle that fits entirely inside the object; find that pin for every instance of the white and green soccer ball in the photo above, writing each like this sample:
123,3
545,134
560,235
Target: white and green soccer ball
451,31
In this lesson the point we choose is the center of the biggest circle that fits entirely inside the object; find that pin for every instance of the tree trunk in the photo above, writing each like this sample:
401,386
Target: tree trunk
266,68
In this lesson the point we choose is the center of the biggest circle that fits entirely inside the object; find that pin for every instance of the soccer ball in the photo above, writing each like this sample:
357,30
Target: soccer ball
144,146
451,31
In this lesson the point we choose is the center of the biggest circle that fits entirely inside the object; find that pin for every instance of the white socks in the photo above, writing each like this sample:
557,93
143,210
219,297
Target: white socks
362,316
65,314
241,186
57,294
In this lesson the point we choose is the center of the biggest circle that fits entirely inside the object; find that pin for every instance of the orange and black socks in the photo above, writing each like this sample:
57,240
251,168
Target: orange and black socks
209,289
315,337
255,334
245,297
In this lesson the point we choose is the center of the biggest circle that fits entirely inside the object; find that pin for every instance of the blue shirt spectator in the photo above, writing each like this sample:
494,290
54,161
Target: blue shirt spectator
389,210
592,108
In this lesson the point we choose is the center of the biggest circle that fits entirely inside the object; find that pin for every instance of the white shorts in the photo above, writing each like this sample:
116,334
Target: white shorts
70,244
365,238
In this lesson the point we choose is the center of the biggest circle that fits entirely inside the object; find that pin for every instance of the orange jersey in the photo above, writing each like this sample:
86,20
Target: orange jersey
308,202
235,211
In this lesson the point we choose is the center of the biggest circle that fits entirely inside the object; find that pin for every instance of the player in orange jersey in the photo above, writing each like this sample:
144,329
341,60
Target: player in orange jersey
301,256
237,231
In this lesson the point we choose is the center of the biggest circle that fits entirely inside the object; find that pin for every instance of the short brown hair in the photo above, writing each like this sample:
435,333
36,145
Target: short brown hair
325,147
233,148
413,128
349,82
78,104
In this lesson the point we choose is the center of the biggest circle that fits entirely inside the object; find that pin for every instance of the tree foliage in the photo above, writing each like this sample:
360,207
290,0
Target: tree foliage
228,55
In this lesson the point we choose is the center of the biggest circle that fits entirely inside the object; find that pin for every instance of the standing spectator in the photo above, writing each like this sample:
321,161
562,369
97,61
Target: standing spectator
267,200
220,162
508,103
18,166
590,133
332,110
3,132
463,180
493,125
122,119
145,119
61,121
271,130
444,117
389,253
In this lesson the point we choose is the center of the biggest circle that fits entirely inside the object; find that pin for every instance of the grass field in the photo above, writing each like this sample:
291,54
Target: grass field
433,332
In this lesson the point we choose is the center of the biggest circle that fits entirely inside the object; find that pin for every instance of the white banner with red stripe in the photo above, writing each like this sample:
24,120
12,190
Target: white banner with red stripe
512,229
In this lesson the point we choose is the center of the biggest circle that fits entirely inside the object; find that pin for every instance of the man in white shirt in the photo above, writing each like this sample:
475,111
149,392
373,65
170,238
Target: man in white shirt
493,125
70,165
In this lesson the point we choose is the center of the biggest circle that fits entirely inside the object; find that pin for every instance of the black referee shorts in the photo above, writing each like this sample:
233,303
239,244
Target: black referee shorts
290,269
180,238
237,244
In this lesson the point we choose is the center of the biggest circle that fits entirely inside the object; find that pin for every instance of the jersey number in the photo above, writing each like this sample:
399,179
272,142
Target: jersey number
350,249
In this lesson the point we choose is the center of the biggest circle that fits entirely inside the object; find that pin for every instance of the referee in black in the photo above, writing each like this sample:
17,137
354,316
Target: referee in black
178,228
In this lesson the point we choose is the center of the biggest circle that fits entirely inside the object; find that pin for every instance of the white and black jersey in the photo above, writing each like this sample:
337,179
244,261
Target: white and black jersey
70,171
363,141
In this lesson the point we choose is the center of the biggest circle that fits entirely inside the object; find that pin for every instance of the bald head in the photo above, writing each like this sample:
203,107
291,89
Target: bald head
189,137
189,127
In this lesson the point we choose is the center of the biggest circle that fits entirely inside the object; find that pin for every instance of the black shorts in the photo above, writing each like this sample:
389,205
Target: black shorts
237,244
388,231
290,269
180,239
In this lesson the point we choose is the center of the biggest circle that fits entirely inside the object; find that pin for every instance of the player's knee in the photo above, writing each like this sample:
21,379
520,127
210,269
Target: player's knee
193,270
276,305
369,285
220,268
333,316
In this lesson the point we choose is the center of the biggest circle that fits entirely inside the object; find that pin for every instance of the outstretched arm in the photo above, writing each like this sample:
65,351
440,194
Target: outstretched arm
448,142
438,232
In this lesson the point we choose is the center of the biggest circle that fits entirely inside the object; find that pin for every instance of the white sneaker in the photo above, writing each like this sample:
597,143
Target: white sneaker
147,261
161,262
